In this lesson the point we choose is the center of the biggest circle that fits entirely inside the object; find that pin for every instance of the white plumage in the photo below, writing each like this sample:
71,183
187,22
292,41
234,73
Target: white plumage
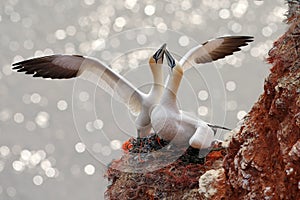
173,124
70,66
169,122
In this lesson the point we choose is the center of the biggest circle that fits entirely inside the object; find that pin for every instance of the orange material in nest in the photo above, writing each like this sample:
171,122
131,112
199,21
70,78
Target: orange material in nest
130,179
127,146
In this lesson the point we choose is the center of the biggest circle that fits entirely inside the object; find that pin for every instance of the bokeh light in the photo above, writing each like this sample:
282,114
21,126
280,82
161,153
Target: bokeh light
89,169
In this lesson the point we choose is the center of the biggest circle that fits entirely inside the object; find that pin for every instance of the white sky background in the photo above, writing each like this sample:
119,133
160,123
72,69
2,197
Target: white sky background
42,154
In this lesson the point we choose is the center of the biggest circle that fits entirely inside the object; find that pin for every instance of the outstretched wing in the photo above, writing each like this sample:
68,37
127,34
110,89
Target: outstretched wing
213,50
70,66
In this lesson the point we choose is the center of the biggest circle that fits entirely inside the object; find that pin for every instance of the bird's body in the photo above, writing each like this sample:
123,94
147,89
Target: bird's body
143,121
174,125
70,66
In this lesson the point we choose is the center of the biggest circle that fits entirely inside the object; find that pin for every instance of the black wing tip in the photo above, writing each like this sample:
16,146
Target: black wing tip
219,127
37,67
43,58
205,43
27,61
76,55
238,36
244,38
16,66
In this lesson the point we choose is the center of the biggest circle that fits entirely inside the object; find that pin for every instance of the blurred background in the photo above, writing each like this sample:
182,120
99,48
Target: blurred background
57,136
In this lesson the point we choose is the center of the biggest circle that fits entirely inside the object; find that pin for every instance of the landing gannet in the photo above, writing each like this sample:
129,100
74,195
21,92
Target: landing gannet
70,66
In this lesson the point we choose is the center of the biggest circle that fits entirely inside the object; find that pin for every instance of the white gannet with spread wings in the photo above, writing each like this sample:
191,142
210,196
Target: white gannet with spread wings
70,66
175,125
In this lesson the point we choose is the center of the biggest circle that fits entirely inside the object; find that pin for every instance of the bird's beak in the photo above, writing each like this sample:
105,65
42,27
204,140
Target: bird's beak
170,59
159,54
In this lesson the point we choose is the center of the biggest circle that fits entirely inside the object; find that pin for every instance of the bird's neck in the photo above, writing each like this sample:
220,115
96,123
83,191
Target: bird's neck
157,87
170,92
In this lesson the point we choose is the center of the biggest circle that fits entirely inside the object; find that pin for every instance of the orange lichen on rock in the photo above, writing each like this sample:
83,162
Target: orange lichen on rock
263,158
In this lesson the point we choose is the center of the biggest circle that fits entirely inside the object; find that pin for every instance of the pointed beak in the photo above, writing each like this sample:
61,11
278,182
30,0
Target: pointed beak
159,54
170,59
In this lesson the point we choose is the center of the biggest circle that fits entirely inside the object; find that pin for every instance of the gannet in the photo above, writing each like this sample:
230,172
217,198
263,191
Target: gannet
70,66
172,124
175,125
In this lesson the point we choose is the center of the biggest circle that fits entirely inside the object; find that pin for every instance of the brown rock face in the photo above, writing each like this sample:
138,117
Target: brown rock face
263,159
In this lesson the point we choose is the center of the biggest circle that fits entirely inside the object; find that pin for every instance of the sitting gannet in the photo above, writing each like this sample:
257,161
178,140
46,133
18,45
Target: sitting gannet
172,124
175,125
70,66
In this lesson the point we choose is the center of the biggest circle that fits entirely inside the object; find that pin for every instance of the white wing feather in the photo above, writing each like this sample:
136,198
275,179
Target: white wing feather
213,50
69,66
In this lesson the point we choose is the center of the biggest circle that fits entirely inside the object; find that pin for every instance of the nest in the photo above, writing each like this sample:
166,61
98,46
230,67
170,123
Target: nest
152,168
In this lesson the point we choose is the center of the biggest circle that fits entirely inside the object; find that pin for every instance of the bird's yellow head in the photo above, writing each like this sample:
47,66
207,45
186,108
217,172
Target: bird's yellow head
158,56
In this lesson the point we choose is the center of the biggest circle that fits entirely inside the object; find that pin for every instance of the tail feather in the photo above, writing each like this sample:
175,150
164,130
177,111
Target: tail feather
219,127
